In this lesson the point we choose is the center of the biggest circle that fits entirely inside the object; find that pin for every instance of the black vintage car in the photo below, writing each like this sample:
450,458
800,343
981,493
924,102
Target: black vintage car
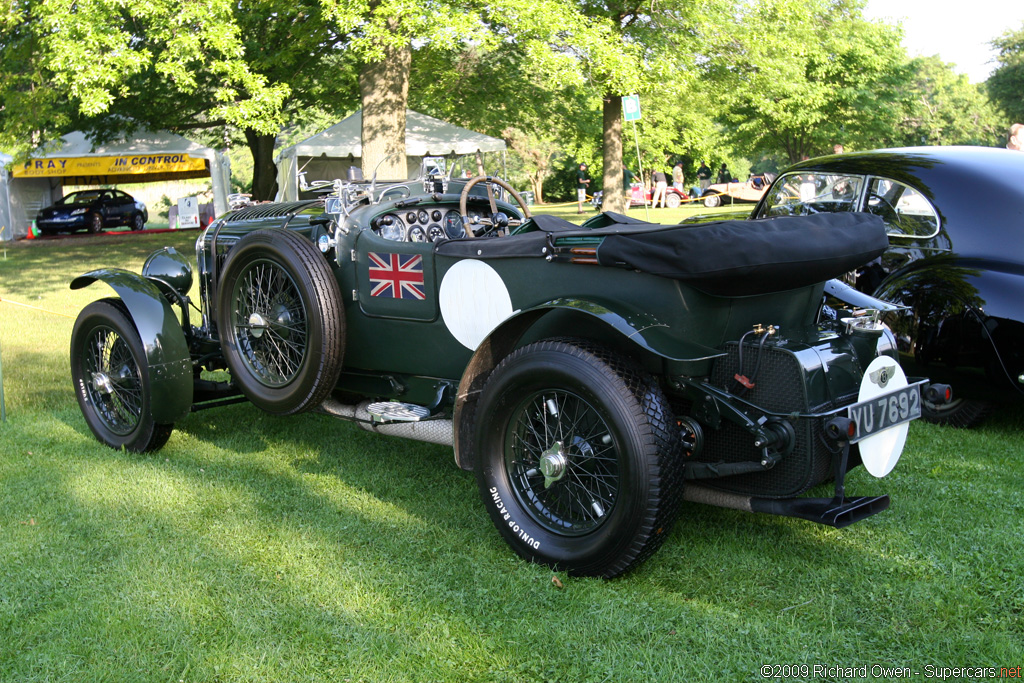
592,377
92,210
955,222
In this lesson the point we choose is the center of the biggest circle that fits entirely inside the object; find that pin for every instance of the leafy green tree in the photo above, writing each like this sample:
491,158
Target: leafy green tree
944,108
503,93
75,65
1006,84
659,47
555,38
797,76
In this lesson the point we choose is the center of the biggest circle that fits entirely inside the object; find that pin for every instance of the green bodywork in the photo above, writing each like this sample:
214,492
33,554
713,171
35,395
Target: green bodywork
404,349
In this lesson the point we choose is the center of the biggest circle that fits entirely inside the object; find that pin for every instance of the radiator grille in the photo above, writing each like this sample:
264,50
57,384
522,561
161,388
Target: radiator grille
271,210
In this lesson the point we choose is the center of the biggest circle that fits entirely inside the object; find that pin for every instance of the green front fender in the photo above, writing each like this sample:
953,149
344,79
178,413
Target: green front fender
167,354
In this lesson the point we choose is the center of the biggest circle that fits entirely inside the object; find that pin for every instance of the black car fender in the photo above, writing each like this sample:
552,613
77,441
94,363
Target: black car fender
167,352
963,313
635,333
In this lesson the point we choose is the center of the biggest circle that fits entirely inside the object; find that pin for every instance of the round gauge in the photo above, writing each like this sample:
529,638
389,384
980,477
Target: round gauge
436,216
417,234
410,217
391,228
435,232
423,216
453,225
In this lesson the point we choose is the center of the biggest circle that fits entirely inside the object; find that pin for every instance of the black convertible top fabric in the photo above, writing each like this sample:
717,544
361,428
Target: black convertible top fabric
725,258
737,258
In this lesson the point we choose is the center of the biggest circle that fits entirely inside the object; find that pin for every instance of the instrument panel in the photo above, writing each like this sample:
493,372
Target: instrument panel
421,225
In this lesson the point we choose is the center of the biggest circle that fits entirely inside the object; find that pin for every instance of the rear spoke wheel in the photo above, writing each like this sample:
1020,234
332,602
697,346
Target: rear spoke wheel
575,459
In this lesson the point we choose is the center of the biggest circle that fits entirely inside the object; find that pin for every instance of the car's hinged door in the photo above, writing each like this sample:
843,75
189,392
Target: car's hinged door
395,279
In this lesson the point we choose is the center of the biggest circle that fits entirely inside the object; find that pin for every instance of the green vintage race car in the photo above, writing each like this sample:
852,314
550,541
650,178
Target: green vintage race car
591,376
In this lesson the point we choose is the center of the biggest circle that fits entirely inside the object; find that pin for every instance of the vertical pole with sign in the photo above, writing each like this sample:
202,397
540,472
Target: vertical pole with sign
631,112
3,407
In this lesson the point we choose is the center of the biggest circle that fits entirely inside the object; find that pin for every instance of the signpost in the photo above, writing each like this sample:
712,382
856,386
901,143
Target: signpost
3,407
631,112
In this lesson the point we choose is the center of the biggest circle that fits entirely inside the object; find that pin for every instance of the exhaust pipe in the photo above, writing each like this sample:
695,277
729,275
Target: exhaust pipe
439,431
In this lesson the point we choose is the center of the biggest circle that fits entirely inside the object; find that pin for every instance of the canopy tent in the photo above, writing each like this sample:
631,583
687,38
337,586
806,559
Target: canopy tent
146,157
328,155
6,215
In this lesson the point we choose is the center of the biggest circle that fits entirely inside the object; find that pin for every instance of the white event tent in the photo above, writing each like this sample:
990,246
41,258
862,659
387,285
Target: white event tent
328,155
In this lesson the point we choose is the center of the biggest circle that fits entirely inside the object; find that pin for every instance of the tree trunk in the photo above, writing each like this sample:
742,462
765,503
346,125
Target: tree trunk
264,173
384,89
614,197
537,186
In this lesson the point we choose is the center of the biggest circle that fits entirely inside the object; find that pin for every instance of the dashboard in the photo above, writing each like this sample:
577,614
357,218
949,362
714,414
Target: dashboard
428,224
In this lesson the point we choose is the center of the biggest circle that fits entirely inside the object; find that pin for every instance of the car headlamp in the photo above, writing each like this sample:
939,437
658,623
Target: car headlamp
78,212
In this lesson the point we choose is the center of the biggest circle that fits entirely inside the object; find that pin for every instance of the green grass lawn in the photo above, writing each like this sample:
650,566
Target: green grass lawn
255,548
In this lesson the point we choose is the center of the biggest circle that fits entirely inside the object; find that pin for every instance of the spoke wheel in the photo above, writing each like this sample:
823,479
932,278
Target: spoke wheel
562,462
270,323
575,460
95,223
281,321
138,222
111,375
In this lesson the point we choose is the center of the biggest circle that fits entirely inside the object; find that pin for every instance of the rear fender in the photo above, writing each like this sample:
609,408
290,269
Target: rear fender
638,333
167,354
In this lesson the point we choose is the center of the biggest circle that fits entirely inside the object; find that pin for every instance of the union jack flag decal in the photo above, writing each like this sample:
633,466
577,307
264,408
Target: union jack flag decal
396,276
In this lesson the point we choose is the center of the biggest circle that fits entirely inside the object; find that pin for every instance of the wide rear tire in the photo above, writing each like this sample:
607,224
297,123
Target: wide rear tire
960,412
281,321
576,463
111,377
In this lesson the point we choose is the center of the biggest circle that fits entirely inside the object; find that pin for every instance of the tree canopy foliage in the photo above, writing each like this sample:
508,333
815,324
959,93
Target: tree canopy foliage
1006,84
798,76
719,79
943,108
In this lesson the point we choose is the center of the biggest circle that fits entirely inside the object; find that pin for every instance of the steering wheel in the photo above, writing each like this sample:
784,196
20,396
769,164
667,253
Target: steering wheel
497,220
881,206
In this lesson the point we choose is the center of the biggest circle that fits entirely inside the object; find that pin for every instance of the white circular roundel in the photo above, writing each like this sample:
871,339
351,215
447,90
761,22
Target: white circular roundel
880,452
473,300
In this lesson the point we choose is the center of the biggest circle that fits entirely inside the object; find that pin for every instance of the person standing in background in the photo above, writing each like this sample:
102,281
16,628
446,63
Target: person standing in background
677,176
582,181
704,176
660,188
1015,139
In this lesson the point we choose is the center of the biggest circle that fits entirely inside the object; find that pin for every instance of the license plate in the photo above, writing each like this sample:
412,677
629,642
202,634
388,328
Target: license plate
888,410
